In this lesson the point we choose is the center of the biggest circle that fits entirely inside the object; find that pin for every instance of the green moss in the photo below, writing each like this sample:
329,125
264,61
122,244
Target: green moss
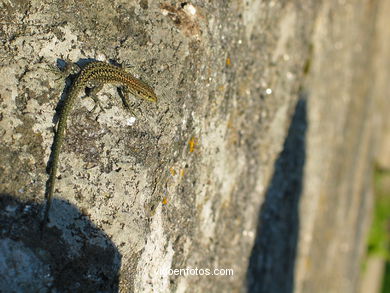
386,279
379,237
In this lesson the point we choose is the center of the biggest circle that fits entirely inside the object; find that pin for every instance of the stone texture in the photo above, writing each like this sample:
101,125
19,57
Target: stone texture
381,86
257,157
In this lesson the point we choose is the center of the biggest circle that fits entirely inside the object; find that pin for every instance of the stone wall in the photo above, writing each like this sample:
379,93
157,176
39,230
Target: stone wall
257,157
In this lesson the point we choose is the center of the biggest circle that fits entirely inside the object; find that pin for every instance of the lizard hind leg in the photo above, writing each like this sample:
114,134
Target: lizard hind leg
62,72
92,93
69,68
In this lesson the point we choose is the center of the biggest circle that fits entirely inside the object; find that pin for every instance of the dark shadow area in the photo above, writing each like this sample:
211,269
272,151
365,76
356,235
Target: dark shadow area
72,254
272,261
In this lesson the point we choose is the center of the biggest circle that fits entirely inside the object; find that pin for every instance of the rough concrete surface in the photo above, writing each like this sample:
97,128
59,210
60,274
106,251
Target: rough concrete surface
257,157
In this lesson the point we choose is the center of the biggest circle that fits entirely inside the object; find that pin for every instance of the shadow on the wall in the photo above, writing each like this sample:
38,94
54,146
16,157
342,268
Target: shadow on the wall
272,261
71,255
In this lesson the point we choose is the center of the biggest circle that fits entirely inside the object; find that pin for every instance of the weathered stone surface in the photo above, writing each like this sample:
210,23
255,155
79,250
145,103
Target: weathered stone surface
381,85
257,157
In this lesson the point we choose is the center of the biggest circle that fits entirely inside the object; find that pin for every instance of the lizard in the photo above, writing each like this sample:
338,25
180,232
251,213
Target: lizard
95,74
